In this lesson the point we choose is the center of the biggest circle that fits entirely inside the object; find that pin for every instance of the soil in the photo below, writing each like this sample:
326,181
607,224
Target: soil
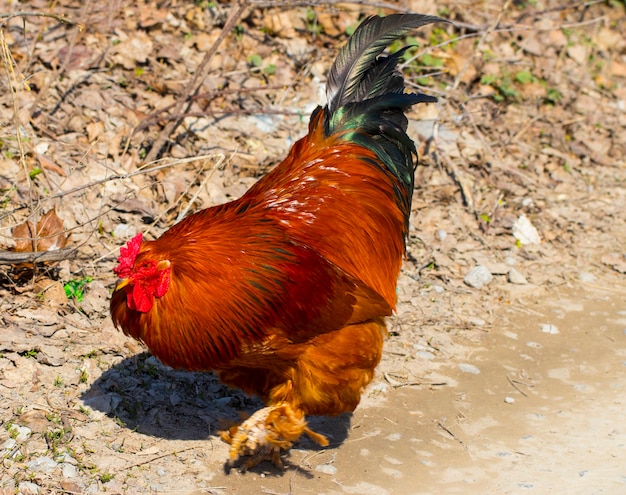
513,382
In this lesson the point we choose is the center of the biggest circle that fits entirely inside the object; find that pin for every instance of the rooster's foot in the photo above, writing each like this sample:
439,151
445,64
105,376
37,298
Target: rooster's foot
264,434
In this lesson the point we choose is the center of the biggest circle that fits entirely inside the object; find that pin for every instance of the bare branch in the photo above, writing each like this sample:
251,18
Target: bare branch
12,258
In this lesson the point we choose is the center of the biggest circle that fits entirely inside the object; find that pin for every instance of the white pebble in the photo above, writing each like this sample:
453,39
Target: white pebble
69,471
525,232
8,444
586,277
426,355
28,488
515,277
478,277
509,400
469,368
326,468
551,329
42,464
124,231
21,433
477,322
442,234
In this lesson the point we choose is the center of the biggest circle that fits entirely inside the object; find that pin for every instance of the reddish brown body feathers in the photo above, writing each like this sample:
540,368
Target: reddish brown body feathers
284,291
261,283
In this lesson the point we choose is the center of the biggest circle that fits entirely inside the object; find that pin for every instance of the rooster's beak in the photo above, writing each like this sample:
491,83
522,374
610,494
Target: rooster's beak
121,284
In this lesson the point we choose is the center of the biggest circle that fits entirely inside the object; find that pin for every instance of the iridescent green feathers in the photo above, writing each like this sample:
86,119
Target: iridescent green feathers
366,99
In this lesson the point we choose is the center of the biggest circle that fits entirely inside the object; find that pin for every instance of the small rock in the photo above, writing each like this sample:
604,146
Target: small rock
8,445
548,328
525,232
586,277
66,458
438,288
124,231
509,400
69,471
469,368
478,277
426,355
105,403
442,234
326,469
22,433
477,322
515,277
42,465
28,488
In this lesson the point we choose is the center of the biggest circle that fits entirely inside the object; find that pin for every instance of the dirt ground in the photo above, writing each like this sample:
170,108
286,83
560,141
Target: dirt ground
513,382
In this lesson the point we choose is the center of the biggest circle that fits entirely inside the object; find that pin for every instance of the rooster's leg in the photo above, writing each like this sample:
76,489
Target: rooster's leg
264,434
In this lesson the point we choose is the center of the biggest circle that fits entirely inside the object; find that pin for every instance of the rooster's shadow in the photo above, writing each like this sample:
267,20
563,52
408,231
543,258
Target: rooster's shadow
146,396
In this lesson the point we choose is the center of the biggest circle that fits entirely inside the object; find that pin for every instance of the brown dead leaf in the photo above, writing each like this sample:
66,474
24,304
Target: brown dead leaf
133,50
48,164
618,69
94,130
35,419
47,236
53,292
75,57
578,53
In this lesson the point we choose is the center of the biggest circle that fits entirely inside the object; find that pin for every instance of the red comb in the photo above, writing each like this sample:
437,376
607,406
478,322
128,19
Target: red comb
127,256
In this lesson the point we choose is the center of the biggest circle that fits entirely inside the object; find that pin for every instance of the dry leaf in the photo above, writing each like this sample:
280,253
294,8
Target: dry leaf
49,234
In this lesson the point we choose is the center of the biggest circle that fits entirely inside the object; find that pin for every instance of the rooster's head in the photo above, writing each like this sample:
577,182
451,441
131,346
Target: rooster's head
142,275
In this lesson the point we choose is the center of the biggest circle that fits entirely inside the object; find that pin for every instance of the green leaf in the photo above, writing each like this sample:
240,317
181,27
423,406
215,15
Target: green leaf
75,289
255,60
524,77
489,79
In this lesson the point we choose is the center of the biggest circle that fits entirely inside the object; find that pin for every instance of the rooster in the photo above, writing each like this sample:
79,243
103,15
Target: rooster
284,291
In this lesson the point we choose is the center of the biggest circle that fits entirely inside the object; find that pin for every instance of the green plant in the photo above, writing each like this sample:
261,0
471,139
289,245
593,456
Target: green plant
75,289
30,354
553,96
311,21
525,77
504,86
255,60
239,30
106,477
